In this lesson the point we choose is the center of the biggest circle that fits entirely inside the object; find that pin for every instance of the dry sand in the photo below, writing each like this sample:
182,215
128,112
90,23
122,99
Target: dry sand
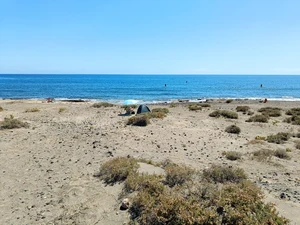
47,169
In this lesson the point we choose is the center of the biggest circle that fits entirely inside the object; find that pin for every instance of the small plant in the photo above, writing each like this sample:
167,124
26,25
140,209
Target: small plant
282,154
177,175
216,113
11,123
233,129
278,138
32,110
194,107
228,100
288,150
139,120
223,174
263,154
243,109
224,113
233,155
270,111
297,145
1,109
117,169
61,110
102,104
172,105
204,105
293,112
260,138
163,110
258,118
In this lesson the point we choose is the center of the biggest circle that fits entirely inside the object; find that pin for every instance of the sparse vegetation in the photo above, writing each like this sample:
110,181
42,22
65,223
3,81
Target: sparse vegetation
195,107
204,105
295,120
233,155
258,118
117,170
270,111
11,123
163,110
263,154
293,112
194,203
139,120
282,154
233,129
260,138
297,145
32,110
1,109
172,105
279,138
228,100
243,109
102,104
129,106
224,113
61,110
177,175
250,113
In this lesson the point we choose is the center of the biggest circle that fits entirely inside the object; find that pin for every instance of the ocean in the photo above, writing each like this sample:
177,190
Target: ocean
149,88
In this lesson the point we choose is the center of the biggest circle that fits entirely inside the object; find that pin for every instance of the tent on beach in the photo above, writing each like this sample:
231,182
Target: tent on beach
143,109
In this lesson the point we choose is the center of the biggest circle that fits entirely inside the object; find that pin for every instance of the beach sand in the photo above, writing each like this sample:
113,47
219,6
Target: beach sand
47,169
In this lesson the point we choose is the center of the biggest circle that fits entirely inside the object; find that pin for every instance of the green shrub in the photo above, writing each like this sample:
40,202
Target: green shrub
293,112
243,109
228,100
11,123
32,110
282,154
223,174
233,129
177,175
279,138
139,120
270,111
195,107
263,154
117,169
233,155
163,110
258,118
224,113
102,104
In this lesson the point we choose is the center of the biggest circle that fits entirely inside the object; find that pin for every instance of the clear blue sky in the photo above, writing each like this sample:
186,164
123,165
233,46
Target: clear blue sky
150,36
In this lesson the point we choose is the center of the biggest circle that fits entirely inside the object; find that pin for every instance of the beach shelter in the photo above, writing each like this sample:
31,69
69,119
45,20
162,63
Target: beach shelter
143,109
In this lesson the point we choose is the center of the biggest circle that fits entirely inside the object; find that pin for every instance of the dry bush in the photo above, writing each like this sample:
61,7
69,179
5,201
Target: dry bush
297,144
282,154
254,142
223,174
260,138
293,112
258,118
233,129
278,138
250,113
163,110
177,175
158,115
117,170
233,155
243,109
204,105
139,120
195,107
172,105
102,104
270,111
32,110
11,123
295,120
1,109
228,100
60,110
263,154
224,113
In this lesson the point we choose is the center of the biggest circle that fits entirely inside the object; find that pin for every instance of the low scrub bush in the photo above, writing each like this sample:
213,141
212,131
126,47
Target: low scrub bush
263,154
279,138
297,145
295,120
233,129
163,110
11,123
224,113
195,107
243,109
258,118
293,112
270,111
223,174
233,155
177,175
32,110
228,100
282,154
102,104
139,120
158,115
128,106
60,110
117,170
172,105
1,109
204,105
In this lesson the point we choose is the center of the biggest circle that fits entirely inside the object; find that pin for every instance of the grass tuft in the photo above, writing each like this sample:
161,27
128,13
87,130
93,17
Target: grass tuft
11,123
263,154
293,112
243,109
258,118
270,111
195,107
233,155
224,113
278,138
162,110
282,154
233,129
205,105
60,110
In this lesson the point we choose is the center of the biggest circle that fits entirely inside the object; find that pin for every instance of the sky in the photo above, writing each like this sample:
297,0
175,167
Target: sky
150,36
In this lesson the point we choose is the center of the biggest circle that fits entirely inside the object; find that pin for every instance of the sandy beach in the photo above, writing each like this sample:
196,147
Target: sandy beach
47,169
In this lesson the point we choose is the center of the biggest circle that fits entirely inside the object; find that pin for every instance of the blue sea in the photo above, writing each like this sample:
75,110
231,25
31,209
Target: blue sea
149,88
